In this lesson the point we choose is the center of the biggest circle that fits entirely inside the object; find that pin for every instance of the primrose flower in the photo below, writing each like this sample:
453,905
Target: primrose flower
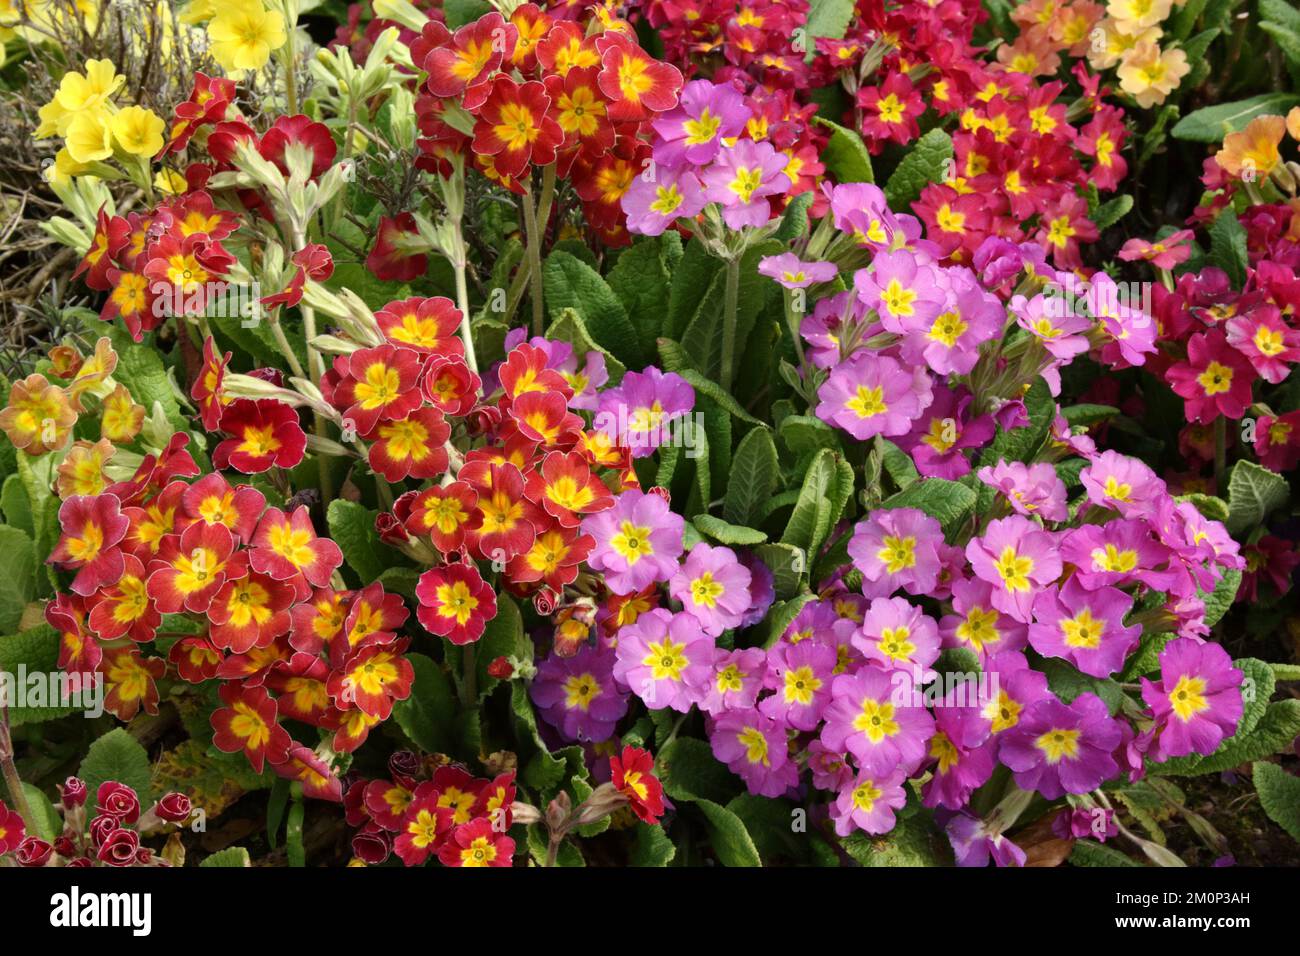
940,437
515,128
1149,74
411,447
1085,627
266,434
455,602
868,804
426,325
247,722
874,394
963,759
1271,345
566,488
243,35
1131,333
249,612
476,844
737,679
213,500
635,82
1054,324
1018,558
1166,253
577,695
898,547
374,385
666,660
793,273
632,775
976,624
713,587
895,635
707,115
92,531
755,748
871,716
741,178
903,290
638,541
1033,489
637,414
1197,702
1253,149
286,548
1057,748
1116,553
1277,441
801,676
1125,484
654,202
950,343
1018,687
974,844
39,417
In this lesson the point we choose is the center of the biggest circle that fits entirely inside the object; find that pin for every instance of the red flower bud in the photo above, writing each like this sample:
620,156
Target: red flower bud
73,792
119,800
174,808
120,848
501,669
33,851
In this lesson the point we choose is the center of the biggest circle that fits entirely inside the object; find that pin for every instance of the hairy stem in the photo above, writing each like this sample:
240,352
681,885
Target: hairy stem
730,304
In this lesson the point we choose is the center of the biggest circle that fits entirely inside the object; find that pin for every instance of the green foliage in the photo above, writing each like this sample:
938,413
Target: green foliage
117,756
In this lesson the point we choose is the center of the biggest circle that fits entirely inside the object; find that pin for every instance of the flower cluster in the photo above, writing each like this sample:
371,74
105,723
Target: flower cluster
105,832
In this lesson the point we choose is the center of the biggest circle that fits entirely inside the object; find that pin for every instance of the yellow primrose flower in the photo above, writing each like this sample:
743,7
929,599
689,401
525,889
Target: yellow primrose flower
1150,75
89,91
138,131
171,182
196,11
89,137
82,471
1134,16
1114,44
122,417
244,34
65,167
1253,152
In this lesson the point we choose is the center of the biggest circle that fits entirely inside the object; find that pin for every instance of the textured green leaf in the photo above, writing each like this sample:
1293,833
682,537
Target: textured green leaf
845,156
726,533
1211,124
569,327
17,576
234,856
1228,247
1109,213
719,395
825,492
36,651
755,474
49,824
428,715
692,278
641,280
948,502
801,434
1274,733
728,837
1090,853
116,756
913,842
1218,601
352,526
689,772
651,846
572,284
926,162
1253,491
1279,795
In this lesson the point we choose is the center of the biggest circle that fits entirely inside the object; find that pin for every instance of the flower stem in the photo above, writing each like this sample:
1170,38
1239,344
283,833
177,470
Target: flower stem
535,221
730,303
469,685
9,770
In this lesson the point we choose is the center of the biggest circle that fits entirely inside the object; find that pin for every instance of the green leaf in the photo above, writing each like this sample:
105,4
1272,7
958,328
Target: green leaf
692,279
1213,507
234,856
116,756
35,651
572,284
17,576
502,637
1082,416
702,338
17,509
913,842
689,773
728,836
1091,853
826,489
802,434
845,156
948,502
460,12
1211,124
1067,683
794,221
788,565
1218,601
48,823
719,395
570,328
1109,213
1279,795
352,526
926,162
781,615
141,370
651,846
1022,444
1228,247
826,18
641,280
755,474
428,716
1253,491
726,533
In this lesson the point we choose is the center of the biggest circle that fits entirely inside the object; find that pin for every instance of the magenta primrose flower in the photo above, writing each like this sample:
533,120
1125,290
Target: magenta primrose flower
874,394
1018,558
949,345
975,844
1084,627
801,676
1116,553
1058,748
896,635
1125,484
1197,701
1032,490
868,804
943,433
1019,687
793,273
960,748
1214,380
639,412
872,715
665,659
740,180
638,541
713,587
659,197
737,679
904,291
755,748
898,547
577,695
694,130
976,624
1130,332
